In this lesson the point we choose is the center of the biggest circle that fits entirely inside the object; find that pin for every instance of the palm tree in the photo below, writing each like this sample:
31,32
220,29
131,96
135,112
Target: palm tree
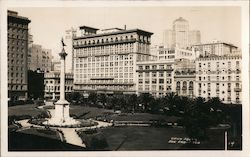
145,99
172,101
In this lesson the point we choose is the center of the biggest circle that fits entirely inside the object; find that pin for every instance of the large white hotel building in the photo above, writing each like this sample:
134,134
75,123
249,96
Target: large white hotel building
119,60
106,61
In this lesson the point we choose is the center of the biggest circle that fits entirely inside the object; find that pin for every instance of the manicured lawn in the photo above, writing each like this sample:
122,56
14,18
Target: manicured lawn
87,112
28,142
29,109
42,132
153,138
141,138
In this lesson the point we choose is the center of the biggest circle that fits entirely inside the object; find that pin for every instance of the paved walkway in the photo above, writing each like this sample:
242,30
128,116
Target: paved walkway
72,137
70,134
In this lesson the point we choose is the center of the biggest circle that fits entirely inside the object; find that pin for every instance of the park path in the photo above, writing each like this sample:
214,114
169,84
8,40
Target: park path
72,137
70,134
24,123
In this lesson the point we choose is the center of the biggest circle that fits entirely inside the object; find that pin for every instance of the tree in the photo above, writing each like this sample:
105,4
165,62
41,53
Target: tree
74,97
132,102
145,99
92,98
102,98
172,101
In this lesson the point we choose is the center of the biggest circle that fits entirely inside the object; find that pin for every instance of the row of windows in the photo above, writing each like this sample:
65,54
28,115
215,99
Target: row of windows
218,64
15,80
16,25
154,88
106,70
218,78
166,52
57,88
16,55
104,58
110,39
104,50
16,42
58,82
16,74
154,81
153,74
17,87
106,87
115,75
126,80
166,57
105,64
184,84
154,67
17,36
237,85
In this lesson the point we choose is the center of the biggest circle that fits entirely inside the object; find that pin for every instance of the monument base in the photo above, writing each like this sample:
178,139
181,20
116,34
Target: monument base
60,116
62,122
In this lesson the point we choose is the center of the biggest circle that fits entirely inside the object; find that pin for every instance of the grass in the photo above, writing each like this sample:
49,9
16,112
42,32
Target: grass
27,142
42,132
88,112
141,138
29,109
152,138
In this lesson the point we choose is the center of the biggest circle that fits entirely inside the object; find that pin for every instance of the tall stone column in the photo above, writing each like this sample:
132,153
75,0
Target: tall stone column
62,105
61,115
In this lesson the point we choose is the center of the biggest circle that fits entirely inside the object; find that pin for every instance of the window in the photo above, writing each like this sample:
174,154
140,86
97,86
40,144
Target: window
154,81
161,80
161,88
161,66
153,74
161,74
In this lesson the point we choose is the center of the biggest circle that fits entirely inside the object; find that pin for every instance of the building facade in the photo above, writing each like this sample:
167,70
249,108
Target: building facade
171,54
216,48
155,77
39,58
180,36
106,61
184,77
17,56
68,40
56,66
219,76
52,84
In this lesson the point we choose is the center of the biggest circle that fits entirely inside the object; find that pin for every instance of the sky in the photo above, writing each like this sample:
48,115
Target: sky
48,25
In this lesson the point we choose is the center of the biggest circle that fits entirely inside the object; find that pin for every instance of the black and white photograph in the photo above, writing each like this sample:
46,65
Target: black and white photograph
119,78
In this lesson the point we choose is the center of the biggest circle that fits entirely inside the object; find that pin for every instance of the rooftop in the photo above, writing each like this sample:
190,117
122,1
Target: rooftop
139,31
14,15
180,19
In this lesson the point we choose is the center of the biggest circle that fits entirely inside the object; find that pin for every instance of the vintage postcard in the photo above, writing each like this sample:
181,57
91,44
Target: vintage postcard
127,78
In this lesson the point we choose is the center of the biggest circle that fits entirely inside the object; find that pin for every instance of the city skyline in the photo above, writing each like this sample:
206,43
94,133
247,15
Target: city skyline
221,25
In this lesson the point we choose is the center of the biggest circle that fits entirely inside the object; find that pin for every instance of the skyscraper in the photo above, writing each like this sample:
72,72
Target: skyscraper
180,36
17,56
